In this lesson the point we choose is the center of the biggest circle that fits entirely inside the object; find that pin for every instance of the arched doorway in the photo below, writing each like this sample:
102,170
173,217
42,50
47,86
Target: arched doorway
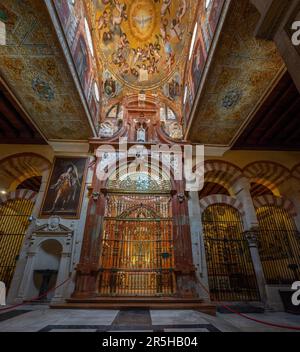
279,245
230,270
46,268
137,257
14,221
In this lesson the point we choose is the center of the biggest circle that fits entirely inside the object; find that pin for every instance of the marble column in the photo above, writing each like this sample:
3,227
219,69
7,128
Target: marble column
198,247
251,227
252,237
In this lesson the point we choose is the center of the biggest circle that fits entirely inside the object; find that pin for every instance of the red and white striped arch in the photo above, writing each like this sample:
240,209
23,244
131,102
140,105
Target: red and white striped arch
280,202
221,172
221,199
17,168
19,194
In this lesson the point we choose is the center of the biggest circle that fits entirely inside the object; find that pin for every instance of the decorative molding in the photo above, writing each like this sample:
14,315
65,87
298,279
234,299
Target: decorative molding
70,147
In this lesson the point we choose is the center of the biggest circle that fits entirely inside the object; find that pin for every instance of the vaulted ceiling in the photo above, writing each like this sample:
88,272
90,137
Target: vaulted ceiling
33,65
241,72
143,42
68,62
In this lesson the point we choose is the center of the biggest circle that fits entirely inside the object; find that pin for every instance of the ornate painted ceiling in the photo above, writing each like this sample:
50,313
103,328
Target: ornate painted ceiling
121,47
142,43
241,73
33,65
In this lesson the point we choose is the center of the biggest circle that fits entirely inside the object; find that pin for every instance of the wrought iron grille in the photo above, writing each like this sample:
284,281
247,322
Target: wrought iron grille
279,246
13,225
137,247
230,269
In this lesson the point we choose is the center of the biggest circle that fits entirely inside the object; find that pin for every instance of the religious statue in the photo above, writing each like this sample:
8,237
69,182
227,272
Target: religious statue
141,134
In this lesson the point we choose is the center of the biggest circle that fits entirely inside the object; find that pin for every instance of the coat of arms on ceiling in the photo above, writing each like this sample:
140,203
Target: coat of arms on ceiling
42,89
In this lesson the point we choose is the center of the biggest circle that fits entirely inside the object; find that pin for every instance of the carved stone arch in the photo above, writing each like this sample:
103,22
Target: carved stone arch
112,167
280,202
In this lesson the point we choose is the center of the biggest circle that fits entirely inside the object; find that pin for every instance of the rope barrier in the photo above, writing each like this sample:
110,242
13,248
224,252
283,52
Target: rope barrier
35,298
282,326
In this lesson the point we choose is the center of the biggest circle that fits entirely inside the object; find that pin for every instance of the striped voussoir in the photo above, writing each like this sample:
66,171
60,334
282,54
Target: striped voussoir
280,202
221,199
20,167
26,194
221,172
269,174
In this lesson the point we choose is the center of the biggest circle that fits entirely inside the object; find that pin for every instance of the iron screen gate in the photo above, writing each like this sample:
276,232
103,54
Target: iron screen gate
14,216
230,270
279,246
137,247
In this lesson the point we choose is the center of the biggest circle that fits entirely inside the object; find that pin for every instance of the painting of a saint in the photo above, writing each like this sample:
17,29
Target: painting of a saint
65,187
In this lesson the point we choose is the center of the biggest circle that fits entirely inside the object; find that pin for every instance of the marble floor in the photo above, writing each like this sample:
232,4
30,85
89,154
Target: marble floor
43,319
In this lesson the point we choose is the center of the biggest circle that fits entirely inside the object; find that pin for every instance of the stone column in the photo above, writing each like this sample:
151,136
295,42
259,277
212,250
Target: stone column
242,192
63,274
251,236
27,278
198,248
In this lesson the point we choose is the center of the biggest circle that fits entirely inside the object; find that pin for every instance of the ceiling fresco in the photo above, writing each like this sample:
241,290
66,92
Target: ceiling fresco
142,43
33,65
242,71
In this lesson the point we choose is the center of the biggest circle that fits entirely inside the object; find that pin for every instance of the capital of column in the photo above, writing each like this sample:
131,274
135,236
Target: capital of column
252,236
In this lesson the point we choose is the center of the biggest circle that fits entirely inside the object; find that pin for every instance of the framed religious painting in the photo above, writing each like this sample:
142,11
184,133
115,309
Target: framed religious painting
64,192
